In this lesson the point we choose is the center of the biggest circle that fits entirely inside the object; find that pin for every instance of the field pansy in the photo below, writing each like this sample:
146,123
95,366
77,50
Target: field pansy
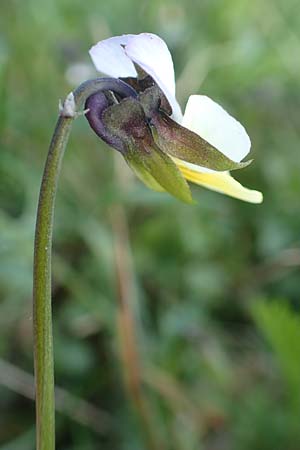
162,146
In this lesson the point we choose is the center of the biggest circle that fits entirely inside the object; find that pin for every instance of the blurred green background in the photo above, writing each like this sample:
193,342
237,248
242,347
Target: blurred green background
213,288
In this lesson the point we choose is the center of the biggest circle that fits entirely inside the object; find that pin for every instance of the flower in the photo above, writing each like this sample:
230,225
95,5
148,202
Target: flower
162,146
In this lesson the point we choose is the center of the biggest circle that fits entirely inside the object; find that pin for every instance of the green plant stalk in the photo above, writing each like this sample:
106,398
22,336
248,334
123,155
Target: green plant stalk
42,314
42,310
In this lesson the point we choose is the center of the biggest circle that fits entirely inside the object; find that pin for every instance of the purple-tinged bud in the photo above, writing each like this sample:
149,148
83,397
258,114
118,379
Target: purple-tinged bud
126,121
96,105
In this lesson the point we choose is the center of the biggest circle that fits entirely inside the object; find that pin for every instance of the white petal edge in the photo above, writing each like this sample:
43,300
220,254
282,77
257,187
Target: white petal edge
210,121
110,58
151,53
221,182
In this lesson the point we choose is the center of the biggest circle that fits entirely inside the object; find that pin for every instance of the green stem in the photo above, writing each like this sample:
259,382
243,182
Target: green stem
42,311
42,315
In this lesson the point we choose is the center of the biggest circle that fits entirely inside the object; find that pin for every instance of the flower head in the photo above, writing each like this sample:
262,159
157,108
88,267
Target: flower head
162,146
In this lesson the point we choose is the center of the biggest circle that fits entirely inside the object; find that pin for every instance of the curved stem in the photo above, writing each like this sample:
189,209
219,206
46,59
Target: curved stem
42,311
42,315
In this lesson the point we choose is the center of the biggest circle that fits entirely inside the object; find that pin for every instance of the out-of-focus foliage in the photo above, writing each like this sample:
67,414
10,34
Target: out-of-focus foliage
211,380
282,329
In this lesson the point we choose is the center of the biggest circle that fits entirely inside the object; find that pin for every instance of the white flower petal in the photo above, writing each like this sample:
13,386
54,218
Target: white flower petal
210,121
110,58
221,182
151,53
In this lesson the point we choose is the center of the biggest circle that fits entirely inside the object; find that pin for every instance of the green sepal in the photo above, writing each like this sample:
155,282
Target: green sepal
144,175
158,171
127,121
184,144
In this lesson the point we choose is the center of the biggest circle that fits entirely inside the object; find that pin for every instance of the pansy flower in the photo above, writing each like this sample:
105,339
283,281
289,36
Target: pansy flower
163,147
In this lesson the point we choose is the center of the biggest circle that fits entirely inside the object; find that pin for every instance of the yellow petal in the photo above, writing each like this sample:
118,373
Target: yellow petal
221,182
